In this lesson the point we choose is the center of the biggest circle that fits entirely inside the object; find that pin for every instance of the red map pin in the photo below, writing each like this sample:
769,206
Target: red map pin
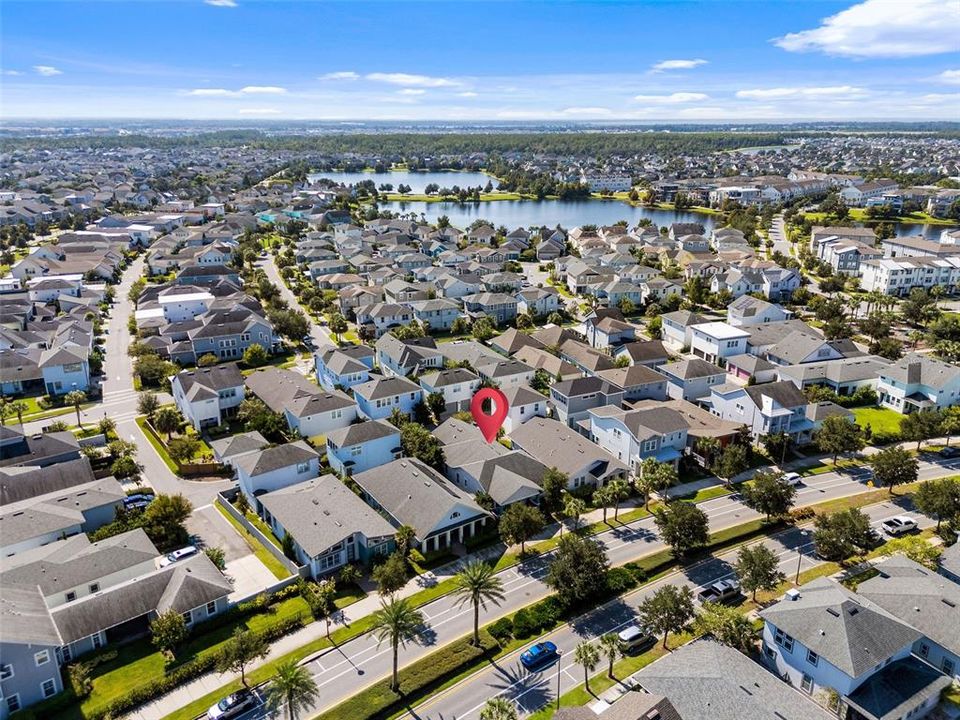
489,424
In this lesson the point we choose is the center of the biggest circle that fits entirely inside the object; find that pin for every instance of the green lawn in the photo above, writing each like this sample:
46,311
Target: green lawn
158,445
880,419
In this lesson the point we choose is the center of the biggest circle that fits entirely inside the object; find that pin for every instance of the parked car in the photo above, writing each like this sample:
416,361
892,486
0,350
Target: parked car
307,340
899,525
178,555
792,478
720,591
539,655
138,501
634,637
950,452
233,705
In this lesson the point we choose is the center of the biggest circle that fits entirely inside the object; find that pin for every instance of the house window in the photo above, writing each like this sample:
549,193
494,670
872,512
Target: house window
41,658
94,587
71,596
49,688
188,617
211,607
806,683
13,703
924,650
97,641
812,658
649,445
336,414
6,671
302,467
783,640
947,666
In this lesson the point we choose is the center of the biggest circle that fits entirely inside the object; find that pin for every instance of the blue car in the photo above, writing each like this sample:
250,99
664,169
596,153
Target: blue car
539,655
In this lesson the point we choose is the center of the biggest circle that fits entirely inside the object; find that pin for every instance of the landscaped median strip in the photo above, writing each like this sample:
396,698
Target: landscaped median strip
653,565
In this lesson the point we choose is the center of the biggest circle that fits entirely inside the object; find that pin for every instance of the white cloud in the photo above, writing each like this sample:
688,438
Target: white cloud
677,65
801,92
468,93
263,90
12,72
258,111
586,111
47,70
883,28
221,3
951,77
411,91
343,75
212,92
412,80
676,98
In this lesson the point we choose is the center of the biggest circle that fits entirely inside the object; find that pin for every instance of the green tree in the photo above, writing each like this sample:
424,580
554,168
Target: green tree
573,508
667,610
293,687
578,569
758,569
654,477
619,491
920,307
554,483
920,426
683,526
105,426
76,398
147,404
153,370
917,549
840,535
255,356
838,434
894,466
182,449
391,574
483,328
476,585
777,446
19,407
728,625
939,499
164,518
338,325
405,538
768,493
167,420
587,656
437,404
240,650
217,557
733,460
612,646
168,630
208,360
499,708
519,523
396,623
420,443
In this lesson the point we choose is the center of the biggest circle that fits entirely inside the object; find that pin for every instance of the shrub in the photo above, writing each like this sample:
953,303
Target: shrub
803,513
620,580
546,613
523,625
502,630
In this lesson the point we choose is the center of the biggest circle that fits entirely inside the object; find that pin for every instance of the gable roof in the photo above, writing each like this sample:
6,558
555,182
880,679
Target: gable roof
273,458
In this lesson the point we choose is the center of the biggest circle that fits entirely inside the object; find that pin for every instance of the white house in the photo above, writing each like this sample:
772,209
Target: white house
919,382
714,341
273,468
206,396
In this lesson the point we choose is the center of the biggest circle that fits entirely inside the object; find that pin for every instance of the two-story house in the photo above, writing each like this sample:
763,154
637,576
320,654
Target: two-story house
275,467
378,398
635,435
383,316
748,310
402,358
676,328
524,404
343,367
307,408
438,314
499,307
716,341
573,399
691,379
207,396
638,382
363,446
919,382
457,385
65,368
766,409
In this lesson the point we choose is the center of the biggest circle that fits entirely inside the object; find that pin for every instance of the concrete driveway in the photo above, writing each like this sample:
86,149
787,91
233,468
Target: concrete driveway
210,529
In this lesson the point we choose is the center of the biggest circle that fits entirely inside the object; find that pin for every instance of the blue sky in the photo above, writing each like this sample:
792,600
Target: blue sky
716,60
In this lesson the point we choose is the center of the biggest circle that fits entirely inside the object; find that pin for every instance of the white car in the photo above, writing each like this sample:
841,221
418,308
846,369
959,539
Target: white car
899,525
178,555
633,637
792,478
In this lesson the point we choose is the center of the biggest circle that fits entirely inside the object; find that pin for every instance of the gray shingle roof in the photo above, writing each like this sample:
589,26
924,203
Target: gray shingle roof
274,458
362,432
898,688
22,483
385,387
322,512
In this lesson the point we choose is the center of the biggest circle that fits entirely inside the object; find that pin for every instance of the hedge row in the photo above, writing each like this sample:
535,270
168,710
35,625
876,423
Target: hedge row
417,681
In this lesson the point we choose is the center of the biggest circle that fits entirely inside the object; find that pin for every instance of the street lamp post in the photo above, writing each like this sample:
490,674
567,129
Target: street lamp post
559,661
803,538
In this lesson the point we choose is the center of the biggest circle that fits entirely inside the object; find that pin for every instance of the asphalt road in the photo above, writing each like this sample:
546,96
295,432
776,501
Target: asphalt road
343,671
779,236
321,338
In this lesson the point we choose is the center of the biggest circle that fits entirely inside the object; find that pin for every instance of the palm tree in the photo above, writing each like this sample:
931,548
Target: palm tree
76,398
619,491
404,538
4,410
707,448
612,647
476,585
167,420
587,655
499,708
294,687
573,507
396,622
18,408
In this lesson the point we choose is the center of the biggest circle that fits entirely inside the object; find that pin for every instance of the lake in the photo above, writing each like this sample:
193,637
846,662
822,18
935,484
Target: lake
525,213
416,180
571,213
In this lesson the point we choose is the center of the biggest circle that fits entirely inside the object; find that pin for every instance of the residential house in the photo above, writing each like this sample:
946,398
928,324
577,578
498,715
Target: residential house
635,435
573,399
207,396
328,524
691,379
748,310
499,307
539,301
402,358
898,276
64,369
378,398
37,450
381,317
275,467
844,376
638,382
505,373
523,404
606,328
716,341
438,314
363,446
457,385
676,328
766,409
343,367
412,493
307,408
556,445
919,382
650,353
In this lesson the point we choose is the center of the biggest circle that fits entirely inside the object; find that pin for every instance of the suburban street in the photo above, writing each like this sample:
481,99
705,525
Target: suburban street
321,338
778,234
343,671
